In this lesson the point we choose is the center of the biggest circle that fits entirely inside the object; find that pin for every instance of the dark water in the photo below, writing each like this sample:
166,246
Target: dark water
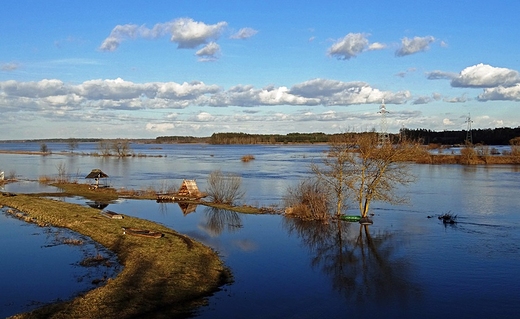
38,266
405,265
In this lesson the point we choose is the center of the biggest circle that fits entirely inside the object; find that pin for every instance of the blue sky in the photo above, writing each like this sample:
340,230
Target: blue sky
141,69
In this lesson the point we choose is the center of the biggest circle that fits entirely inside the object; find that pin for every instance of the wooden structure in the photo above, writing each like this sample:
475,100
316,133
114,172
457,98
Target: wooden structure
188,191
96,174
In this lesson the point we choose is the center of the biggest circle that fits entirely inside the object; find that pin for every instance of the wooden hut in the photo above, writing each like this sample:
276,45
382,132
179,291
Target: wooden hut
189,189
96,174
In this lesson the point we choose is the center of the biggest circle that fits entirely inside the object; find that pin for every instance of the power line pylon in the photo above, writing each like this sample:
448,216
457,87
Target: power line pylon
383,134
469,137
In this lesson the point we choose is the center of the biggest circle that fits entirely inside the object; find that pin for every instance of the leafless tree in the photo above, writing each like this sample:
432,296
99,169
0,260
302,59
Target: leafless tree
73,144
121,147
335,171
104,147
358,167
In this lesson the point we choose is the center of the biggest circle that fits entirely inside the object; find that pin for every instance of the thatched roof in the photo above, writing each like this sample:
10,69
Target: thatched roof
189,188
97,173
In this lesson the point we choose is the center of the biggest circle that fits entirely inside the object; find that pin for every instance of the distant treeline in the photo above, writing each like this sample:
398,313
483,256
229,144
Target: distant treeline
497,136
244,138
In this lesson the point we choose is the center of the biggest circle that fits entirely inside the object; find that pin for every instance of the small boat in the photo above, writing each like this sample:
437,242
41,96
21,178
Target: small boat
142,232
111,214
350,218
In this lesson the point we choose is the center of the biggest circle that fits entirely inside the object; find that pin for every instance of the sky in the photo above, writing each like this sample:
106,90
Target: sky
142,69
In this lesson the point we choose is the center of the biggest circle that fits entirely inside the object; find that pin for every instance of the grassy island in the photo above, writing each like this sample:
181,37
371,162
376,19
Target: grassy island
166,277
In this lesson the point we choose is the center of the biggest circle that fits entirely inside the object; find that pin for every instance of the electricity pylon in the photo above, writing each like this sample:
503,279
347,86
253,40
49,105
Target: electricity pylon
469,137
383,134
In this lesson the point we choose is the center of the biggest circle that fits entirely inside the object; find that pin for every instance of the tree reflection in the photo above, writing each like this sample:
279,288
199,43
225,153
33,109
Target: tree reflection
362,267
219,220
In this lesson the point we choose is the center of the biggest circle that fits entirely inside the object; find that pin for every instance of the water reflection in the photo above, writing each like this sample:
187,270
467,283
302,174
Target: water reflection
220,220
363,268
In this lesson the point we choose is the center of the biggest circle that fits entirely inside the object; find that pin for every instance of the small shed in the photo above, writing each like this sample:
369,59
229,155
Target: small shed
189,189
96,174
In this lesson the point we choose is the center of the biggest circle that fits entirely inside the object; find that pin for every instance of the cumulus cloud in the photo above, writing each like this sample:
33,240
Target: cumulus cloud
332,92
119,94
376,46
244,33
411,46
185,32
349,46
511,93
486,76
190,34
209,52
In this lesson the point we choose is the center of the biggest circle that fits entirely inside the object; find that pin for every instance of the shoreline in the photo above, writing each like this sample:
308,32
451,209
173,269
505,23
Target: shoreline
169,276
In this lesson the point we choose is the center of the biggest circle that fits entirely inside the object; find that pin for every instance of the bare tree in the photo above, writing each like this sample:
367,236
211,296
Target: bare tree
73,144
378,170
336,168
121,147
357,167
224,188
104,147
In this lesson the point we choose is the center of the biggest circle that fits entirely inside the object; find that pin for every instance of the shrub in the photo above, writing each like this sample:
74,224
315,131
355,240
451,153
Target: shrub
247,158
308,200
224,188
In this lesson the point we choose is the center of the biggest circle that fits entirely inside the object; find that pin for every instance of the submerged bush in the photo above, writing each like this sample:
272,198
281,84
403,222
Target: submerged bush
308,200
224,188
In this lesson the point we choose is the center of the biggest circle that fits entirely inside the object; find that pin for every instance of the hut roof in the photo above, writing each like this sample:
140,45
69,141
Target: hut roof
189,188
97,173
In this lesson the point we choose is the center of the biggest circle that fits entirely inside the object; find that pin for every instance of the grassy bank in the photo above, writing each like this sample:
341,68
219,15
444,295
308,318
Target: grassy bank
165,277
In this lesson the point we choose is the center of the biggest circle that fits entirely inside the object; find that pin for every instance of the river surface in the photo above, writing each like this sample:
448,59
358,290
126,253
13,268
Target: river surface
405,265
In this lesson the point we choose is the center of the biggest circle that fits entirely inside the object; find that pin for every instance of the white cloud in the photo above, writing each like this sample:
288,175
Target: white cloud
458,99
244,33
376,46
190,34
331,92
411,46
349,46
486,76
511,93
119,94
159,127
185,32
447,122
209,51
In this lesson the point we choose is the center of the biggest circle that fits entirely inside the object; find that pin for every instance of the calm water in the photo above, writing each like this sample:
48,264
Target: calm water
405,265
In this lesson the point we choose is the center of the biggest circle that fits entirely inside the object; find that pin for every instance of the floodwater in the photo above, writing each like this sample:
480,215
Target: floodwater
404,265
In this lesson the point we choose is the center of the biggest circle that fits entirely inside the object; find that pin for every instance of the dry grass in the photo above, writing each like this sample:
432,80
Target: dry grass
248,158
163,277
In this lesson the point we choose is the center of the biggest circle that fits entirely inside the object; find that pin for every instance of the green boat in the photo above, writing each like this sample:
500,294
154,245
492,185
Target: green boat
350,218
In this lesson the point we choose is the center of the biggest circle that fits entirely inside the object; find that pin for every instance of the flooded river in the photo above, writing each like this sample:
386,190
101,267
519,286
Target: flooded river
404,265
